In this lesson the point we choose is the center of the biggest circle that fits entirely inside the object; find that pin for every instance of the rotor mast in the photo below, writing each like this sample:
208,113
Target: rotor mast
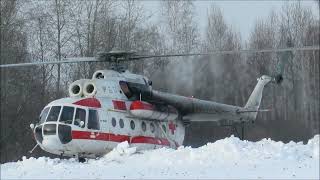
116,59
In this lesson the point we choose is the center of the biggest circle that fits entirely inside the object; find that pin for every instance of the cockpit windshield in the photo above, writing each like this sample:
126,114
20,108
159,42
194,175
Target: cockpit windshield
44,114
71,115
54,113
67,114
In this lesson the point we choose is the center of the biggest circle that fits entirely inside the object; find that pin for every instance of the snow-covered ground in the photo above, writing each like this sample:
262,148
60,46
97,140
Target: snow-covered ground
227,158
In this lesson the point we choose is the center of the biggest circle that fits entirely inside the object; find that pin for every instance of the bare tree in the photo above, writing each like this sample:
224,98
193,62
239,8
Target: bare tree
39,45
16,95
61,33
181,36
179,19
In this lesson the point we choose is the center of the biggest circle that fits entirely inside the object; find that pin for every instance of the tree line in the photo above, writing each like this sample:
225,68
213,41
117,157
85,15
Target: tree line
52,30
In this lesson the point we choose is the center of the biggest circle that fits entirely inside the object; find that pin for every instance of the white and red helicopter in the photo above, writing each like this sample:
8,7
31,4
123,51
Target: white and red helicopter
116,106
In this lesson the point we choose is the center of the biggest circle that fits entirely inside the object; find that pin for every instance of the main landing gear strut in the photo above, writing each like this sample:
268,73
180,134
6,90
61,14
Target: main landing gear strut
235,129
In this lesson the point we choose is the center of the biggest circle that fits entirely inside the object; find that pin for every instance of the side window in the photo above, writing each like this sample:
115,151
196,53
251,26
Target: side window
54,113
67,114
113,122
80,116
121,123
93,121
132,125
143,126
164,128
152,128
44,114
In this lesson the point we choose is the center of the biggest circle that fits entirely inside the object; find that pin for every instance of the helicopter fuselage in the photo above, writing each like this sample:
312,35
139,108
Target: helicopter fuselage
114,107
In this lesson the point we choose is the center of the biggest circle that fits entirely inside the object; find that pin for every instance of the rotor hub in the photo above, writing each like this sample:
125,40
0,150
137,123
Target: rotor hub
116,59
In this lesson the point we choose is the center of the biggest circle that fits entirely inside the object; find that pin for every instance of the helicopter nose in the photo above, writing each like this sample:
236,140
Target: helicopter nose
50,140
51,143
49,136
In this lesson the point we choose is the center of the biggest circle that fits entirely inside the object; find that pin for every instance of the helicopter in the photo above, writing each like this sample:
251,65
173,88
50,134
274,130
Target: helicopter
116,105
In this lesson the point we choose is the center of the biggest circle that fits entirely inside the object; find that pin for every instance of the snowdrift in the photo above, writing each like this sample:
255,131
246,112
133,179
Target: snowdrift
227,158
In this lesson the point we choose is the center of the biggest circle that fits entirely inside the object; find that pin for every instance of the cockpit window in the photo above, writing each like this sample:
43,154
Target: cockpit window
54,113
93,121
80,116
67,114
44,114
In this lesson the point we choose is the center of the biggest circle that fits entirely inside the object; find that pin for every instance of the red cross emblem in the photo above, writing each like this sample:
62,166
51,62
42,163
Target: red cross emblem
172,127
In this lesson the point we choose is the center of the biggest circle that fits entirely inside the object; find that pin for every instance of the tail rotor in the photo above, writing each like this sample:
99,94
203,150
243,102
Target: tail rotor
278,78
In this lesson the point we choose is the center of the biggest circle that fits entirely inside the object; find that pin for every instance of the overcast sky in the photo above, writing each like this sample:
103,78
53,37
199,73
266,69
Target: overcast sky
241,14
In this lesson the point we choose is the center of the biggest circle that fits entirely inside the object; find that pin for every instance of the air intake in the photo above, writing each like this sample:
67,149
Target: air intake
76,88
89,89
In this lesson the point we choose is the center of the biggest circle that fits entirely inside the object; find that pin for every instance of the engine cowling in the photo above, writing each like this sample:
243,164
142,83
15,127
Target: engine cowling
146,110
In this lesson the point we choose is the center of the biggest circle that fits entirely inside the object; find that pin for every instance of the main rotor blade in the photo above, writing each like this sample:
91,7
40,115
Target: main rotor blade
65,60
218,52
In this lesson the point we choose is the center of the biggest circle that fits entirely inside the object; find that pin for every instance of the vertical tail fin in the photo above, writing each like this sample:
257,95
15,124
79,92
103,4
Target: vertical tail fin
254,100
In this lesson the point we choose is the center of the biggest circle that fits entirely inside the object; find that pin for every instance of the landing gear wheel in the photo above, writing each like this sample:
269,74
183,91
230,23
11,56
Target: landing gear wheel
81,159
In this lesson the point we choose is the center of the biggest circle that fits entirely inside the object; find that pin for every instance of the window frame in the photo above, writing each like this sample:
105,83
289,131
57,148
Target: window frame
113,119
97,120
164,127
134,125
152,128
45,119
86,117
143,126
58,118
121,122
73,116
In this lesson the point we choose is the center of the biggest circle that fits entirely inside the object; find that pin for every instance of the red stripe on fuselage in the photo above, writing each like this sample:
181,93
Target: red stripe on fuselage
120,105
118,138
89,102
139,105
150,140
